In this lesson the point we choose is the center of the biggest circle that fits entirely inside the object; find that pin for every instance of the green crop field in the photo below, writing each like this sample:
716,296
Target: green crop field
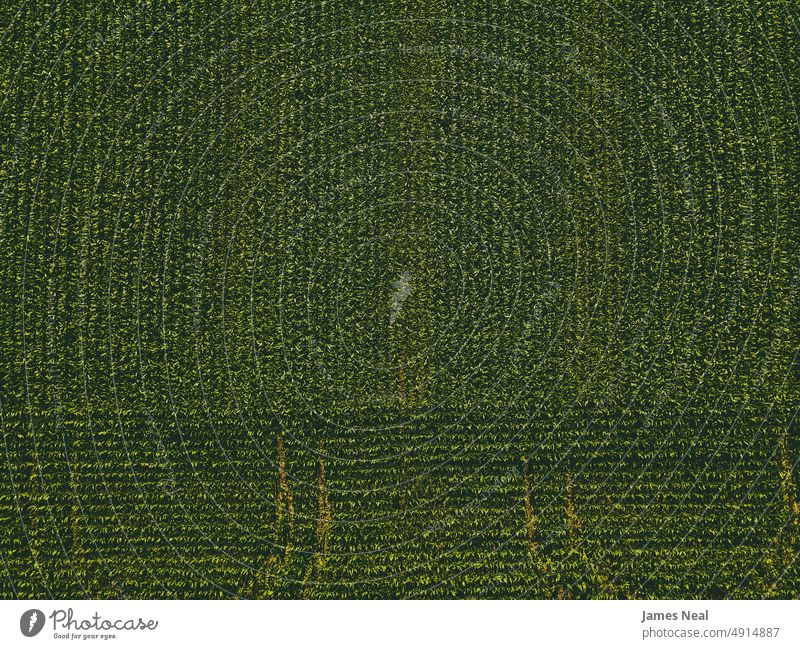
399,299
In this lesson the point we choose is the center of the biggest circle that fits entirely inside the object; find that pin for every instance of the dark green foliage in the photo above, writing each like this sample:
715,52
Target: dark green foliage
399,299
